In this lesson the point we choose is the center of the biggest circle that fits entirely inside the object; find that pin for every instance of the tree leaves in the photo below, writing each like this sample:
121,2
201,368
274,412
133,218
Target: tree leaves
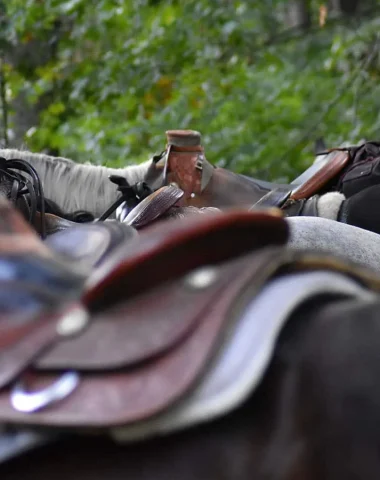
124,72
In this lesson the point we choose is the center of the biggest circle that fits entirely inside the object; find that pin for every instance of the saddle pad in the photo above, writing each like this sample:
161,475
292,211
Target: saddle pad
246,356
173,248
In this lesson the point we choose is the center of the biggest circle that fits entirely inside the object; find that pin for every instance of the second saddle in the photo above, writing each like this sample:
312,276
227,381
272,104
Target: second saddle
184,163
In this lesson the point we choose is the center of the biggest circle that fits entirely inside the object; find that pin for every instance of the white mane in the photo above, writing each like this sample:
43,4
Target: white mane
74,186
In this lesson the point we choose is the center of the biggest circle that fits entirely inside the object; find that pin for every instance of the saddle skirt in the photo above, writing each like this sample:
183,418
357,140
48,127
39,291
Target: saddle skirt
245,357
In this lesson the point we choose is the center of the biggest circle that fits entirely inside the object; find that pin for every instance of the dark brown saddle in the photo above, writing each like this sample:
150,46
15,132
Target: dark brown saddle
122,334
143,330
184,164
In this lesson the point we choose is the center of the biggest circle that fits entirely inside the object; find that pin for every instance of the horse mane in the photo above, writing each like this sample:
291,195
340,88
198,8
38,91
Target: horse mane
75,186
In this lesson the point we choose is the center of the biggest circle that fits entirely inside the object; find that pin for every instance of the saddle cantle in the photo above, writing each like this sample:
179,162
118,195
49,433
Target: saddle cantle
184,163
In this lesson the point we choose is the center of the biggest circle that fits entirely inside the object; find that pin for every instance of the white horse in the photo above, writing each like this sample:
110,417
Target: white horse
75,186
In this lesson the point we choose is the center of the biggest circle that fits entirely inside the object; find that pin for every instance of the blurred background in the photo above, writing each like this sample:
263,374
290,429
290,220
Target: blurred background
102,80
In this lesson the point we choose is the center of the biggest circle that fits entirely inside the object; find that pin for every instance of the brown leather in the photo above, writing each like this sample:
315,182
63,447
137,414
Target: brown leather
185,165
207,186
136,330
154,330
21,344
327,173
188,177
118,397
171,248
138,390
154,333
16,235
183,138
154,206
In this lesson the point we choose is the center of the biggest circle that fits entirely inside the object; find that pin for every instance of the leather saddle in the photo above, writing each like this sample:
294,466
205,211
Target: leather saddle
184,164
132,349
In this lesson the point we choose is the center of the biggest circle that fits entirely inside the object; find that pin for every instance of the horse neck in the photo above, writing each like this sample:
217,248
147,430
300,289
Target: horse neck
74,186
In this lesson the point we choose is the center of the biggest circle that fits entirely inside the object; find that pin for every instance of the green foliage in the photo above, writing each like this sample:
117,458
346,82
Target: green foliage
123,72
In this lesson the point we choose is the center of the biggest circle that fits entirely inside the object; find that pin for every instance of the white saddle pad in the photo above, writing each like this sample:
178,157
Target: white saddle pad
245,357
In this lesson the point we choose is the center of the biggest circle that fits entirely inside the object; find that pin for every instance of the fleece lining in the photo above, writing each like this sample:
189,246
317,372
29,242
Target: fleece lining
329,205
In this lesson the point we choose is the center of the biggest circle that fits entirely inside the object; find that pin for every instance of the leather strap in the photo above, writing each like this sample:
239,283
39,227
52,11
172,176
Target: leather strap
322,177
274,198
304,207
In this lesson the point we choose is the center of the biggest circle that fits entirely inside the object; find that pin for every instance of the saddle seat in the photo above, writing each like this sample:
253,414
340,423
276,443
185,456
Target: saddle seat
160,313
184,163
91,244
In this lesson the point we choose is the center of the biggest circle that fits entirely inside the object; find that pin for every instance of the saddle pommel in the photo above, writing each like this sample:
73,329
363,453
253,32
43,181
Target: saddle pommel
183,138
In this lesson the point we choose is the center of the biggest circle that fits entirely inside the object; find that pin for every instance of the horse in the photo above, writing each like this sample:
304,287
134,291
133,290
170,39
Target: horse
74,186
339,239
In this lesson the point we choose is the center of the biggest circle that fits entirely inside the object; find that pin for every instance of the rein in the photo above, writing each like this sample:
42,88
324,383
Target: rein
22,185
132,195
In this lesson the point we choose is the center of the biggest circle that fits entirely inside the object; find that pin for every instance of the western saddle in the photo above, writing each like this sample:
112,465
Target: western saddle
184,164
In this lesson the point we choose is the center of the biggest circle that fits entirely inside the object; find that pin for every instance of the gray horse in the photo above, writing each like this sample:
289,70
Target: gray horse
340,239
